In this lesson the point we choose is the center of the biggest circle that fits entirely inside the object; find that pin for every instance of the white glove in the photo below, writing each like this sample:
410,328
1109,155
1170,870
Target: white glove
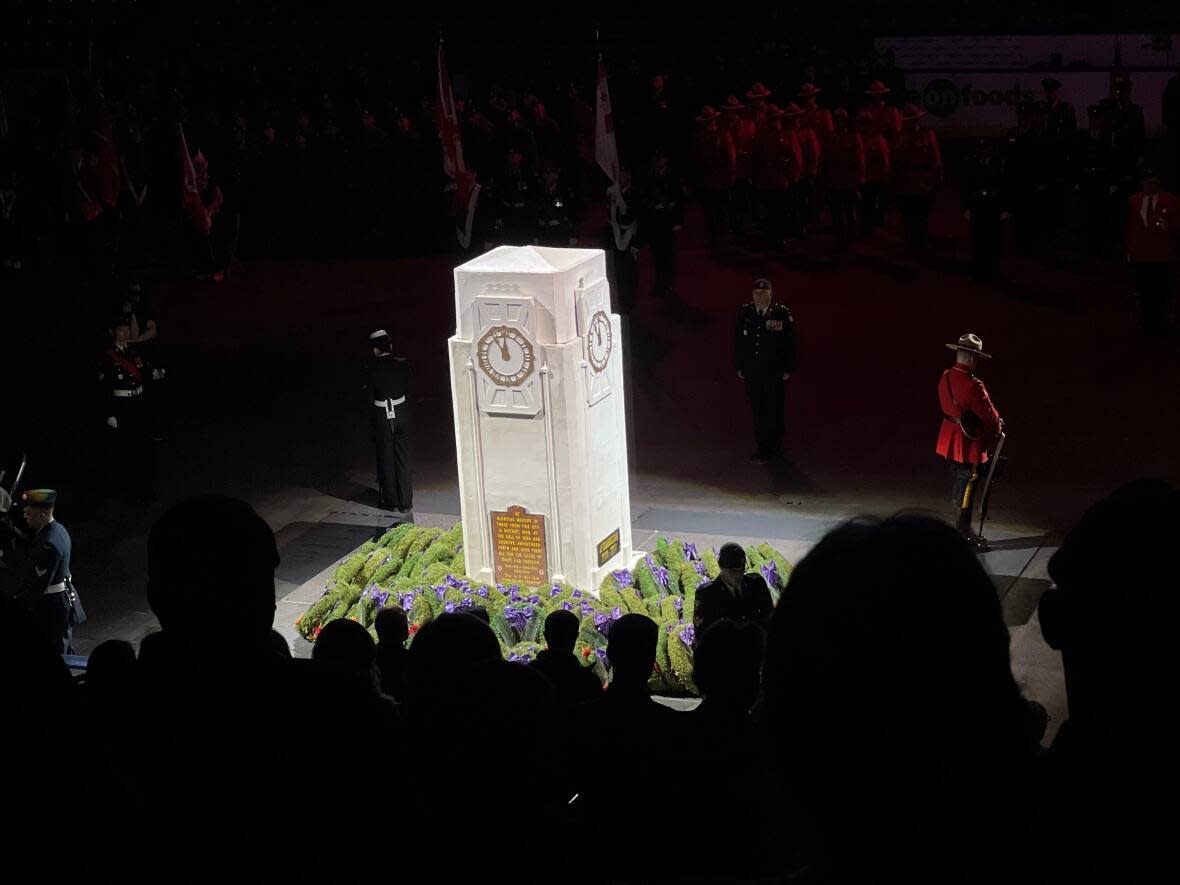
112,423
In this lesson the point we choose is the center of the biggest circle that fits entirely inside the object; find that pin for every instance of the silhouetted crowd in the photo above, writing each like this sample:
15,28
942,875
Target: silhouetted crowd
874,732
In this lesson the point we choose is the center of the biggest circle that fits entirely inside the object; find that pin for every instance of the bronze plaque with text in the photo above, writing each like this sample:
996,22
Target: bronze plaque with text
518,547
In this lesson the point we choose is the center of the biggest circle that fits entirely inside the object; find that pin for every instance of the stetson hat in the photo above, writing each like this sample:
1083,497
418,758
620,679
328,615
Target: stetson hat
792,110
732,104
970,343
379,335
773,112
877,88
707,114
758,91
912,112
809,89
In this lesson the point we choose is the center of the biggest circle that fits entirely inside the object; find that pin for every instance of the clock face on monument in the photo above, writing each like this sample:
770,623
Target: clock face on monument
599,341
505,355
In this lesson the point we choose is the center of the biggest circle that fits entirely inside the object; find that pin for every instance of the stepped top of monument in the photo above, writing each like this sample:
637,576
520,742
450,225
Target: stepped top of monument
527,259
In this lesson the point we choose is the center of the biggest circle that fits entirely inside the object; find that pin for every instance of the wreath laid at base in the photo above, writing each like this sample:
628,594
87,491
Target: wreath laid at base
421,569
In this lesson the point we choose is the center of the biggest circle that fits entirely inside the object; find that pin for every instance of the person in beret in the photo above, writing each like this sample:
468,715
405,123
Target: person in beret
43,586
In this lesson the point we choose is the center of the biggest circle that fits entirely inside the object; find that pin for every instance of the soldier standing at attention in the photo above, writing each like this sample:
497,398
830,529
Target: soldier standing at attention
388,384
121,376
970,427
765,358
44,583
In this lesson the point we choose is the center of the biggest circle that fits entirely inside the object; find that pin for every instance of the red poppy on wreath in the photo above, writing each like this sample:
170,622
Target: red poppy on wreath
586,652
414,628
316,632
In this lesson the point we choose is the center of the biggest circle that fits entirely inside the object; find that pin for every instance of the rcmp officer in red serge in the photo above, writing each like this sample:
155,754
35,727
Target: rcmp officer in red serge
121,374
44,585
388,385
765,357
970,426
1153,222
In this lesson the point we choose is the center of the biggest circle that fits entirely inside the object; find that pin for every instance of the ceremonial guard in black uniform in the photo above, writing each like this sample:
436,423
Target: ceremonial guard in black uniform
121,375
765,358
732,594
388,385
623,247
985,204
1026,175
44,585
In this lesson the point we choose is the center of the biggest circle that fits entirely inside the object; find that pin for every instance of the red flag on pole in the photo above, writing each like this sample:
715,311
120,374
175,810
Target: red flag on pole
188,175
449,133
606,151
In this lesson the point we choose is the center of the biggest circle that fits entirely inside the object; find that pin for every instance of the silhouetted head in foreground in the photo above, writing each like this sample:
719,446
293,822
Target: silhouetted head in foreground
211,564
631,648
392,625
345,644
727,664
561,631
889,693
444,653
1114,609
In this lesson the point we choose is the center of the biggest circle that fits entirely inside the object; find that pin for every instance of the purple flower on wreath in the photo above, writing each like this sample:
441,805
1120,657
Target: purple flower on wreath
599,621
452,581
616,613
501,588
587,608
555,590
380,597
534,599
464,604
601,654
660,573
441,590
651,563
567,605
481,591
514,657
407,599
518,618
577,594
703,581
678,603
622,578
688,635
770,573
699,566
690,552
449,608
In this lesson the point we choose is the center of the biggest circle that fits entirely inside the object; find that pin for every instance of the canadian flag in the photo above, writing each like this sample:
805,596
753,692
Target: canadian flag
464,184
606,152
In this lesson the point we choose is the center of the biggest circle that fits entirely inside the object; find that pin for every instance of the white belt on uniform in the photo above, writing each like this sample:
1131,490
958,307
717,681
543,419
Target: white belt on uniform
388,406
55,588
133,391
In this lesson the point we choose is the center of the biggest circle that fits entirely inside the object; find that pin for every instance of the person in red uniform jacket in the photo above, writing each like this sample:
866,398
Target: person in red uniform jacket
970,427
886,118
917,177
776,166
714,171
757,97
842,173
878,166
814,117
1152,218
814,127
740,196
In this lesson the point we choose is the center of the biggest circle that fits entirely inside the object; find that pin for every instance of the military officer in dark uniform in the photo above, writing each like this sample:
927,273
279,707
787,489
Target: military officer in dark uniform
121,375
732,594
388,385
985,206
44,585
765,357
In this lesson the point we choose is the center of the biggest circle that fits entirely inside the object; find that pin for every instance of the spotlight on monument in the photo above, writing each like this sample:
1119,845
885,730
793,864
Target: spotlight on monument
540,423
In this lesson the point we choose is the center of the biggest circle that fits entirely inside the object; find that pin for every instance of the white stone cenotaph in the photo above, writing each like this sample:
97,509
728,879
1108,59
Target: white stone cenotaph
540,431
